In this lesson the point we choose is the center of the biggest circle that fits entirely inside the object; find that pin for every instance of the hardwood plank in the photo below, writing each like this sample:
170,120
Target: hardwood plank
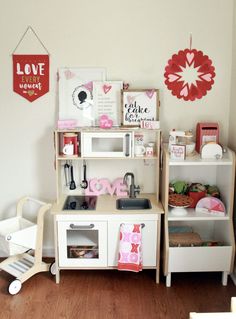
109,294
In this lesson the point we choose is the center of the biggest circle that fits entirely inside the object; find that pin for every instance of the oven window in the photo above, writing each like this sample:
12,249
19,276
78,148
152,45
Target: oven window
82,244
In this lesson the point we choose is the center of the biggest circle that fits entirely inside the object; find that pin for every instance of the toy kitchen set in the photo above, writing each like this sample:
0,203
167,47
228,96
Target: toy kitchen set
107,184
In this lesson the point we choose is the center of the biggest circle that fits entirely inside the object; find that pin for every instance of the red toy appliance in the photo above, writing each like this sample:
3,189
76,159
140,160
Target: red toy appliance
205,133
71,138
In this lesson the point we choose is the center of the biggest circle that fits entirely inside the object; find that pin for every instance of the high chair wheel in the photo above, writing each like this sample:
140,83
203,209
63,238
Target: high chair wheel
52,269
14,287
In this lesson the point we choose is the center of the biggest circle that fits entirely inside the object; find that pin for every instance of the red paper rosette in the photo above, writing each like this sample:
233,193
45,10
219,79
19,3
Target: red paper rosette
189,74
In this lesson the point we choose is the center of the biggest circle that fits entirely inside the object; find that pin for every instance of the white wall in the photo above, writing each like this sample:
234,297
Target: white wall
133,40
232,118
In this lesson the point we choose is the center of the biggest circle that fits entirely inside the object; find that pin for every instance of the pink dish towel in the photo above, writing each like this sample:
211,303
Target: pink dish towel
130,250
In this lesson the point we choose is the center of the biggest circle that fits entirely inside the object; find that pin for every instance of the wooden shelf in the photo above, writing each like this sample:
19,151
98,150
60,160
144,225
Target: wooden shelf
197,160
193,215
68,158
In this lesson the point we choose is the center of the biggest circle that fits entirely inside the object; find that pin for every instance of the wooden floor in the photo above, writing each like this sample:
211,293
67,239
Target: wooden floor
89,294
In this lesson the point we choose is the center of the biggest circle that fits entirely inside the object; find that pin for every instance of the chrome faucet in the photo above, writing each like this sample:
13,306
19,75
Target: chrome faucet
133,190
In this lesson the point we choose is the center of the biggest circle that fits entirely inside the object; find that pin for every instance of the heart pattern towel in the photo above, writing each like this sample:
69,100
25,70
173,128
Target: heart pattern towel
130,249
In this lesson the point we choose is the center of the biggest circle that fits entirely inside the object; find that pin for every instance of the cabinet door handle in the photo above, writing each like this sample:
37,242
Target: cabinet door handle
73,226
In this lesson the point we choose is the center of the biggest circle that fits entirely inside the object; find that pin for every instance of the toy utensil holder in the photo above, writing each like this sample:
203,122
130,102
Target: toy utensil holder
17,236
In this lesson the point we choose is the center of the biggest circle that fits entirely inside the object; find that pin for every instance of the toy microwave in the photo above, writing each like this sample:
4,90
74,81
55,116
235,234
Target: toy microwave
205,133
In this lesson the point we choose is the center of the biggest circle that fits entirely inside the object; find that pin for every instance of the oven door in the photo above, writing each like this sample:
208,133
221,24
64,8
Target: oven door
103,144
82,244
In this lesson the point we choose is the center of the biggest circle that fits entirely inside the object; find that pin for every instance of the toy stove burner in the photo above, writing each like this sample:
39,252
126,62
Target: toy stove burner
80,202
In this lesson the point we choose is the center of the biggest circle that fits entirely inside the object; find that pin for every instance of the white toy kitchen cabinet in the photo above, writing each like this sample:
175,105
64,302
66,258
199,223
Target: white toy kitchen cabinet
90,239
209,226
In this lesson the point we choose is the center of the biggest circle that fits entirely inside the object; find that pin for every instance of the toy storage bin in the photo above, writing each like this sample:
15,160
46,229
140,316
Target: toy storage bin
17,235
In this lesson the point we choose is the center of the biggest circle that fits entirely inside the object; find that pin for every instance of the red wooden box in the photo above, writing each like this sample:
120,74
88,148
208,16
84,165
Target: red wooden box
205,133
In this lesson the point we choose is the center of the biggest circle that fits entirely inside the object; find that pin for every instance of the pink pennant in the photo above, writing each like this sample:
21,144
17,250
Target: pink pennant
89,86
69,75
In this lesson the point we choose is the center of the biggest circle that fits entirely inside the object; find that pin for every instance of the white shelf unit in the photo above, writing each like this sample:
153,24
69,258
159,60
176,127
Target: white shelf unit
209,227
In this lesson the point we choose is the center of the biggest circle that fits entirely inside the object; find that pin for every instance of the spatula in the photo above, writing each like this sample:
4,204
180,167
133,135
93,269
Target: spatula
72,182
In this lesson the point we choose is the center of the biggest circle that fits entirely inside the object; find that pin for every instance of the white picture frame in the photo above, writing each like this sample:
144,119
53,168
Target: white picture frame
140,105
76,94
177,152
107,101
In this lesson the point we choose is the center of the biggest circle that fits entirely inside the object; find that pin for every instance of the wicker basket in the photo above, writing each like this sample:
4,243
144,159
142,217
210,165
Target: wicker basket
184,239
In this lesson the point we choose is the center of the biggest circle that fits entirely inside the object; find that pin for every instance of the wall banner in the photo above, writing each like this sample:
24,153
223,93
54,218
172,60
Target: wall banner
31,75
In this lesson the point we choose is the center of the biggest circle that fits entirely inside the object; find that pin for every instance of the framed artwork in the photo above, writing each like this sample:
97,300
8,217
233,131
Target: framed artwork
177,152
76,94
140,105
107,101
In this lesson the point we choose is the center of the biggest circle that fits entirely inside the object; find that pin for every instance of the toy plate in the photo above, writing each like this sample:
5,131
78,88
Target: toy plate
211,205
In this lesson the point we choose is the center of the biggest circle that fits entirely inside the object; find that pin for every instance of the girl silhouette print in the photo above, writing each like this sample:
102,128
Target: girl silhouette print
82,97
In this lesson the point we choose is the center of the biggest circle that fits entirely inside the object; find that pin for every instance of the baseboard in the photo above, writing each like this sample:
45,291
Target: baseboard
233,277
48,252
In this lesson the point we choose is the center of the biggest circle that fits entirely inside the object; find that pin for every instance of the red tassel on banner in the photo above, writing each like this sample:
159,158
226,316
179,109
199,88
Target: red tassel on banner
31,75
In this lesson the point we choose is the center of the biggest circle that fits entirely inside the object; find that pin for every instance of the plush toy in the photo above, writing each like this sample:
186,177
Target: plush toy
178,187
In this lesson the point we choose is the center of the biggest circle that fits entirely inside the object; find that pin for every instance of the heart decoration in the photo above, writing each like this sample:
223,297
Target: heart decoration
30,92
173,77
190,57
184,91
106,88
207,77
125,86
105,121
183,63
130,99
150,93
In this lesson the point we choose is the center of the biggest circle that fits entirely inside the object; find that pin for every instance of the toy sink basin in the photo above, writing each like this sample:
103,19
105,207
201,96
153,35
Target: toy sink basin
133,203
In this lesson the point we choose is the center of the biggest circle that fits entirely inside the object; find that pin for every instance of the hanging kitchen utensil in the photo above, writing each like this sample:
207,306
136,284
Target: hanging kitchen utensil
72,182
66,172
84,183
